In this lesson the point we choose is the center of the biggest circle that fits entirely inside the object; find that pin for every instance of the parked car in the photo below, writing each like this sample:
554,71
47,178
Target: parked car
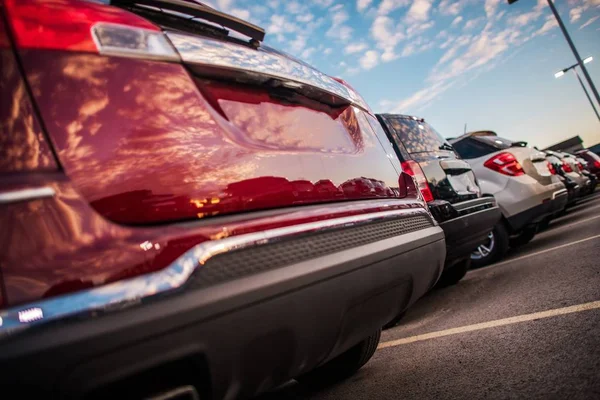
571,168
448,185
592,159
519,178
555,164
173,208
585,171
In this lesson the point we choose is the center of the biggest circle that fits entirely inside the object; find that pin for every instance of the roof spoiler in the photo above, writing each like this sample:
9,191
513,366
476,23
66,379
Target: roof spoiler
201,11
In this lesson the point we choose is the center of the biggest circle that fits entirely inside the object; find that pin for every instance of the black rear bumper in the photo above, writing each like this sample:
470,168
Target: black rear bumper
473,221
538,213
248,334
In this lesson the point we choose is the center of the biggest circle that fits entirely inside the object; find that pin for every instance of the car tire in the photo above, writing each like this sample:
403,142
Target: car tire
524,237
395,321
542,226
454,274
499,239
343,365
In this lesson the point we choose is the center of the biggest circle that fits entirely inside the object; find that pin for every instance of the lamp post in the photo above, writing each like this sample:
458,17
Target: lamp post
573,49
572,67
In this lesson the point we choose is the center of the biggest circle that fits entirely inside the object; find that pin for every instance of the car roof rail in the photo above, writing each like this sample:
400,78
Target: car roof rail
199,10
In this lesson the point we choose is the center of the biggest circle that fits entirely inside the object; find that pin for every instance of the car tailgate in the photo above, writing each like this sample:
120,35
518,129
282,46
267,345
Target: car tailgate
231,127
448,177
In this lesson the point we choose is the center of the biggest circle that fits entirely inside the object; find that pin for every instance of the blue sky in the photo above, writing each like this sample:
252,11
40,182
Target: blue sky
480,62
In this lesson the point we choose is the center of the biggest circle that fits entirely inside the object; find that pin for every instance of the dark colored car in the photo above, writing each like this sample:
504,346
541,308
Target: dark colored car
167,224
593,161
556,166
448,185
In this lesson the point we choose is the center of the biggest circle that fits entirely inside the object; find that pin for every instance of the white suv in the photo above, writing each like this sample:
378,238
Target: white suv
526,190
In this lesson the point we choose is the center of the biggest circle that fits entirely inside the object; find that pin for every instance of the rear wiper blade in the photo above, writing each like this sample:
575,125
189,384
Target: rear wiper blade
518,144
200,11
446,146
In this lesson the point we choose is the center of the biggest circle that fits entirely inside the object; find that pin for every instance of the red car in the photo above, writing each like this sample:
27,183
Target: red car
185,209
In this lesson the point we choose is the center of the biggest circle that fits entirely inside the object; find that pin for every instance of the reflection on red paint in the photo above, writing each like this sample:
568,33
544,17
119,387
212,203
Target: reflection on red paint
23,146
59,245
141,143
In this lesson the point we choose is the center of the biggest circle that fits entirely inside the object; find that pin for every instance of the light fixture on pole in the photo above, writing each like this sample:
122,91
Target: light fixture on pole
573,67
580,62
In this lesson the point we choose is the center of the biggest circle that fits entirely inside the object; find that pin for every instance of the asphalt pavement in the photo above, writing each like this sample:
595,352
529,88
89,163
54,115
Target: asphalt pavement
526,327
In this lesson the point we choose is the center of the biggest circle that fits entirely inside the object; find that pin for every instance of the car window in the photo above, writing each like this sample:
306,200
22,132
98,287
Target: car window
470,148
416,136
591,156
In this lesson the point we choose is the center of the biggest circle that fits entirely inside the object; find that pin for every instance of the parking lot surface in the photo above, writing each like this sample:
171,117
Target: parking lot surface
528,326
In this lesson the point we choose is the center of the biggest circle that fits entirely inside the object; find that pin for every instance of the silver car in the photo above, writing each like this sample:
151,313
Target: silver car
518,176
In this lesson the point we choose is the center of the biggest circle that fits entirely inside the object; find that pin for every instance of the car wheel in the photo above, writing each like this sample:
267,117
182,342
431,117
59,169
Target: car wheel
542,226
493,249
343,365
454,274
524,237
395,321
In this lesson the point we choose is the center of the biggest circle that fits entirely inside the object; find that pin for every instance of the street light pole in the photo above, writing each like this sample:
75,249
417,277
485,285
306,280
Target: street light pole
586,93
573,49
575,52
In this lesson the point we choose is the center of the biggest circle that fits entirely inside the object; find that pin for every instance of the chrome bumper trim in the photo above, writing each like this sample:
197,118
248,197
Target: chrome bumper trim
263,61
561,192
125,293
14,196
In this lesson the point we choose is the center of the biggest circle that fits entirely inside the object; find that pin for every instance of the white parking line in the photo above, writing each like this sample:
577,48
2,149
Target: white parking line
492,324
537,253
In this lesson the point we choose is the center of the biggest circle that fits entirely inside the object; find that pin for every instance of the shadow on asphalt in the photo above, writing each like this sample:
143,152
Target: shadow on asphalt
292,390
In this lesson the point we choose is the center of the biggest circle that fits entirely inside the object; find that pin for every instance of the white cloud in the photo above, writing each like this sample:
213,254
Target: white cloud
369,60
307,53
387,6
419,10
457,20
355,47
548,25
589,21
293,7
327,51
388,56
323,3
416,29
298,44
527,18
450,7
416,46
583,5
241,13
387,36
575,13
361,5
338,30
490,7
472,23
305,17
417,99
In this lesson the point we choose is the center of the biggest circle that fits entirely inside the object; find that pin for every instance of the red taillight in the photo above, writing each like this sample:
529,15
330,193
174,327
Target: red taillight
413,169
77,25
551,168
580,165
506,164
597,163
566,167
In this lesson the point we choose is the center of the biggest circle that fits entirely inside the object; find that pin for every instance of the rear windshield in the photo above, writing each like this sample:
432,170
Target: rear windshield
591,155
415,135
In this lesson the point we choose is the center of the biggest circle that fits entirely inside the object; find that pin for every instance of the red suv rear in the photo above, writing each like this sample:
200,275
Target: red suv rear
175,197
